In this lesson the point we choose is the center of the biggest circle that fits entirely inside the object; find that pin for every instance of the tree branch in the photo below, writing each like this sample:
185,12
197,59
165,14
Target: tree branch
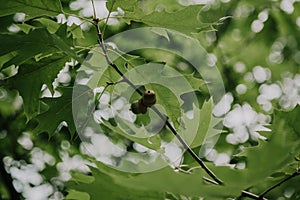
163,117
296,173
261,196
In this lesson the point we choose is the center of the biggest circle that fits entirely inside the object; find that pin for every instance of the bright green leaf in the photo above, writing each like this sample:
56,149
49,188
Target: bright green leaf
197,135
79,177
140,136
185,20
77,195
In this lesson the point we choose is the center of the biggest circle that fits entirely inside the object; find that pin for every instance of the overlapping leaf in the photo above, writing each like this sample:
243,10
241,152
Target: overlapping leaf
206,125
40,56
30,78
21,47
60,110
168,87
141,135
279,150
262,161
105,187
185,20
32,8
269,156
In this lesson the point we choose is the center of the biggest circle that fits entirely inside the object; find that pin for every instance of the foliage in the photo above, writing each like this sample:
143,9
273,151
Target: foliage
63,99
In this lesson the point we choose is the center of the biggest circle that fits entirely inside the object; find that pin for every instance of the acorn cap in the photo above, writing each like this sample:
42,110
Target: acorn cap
149,98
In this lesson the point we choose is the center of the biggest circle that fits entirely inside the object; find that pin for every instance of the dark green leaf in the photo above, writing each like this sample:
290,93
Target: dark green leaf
23,47
30,78
32,8
60,109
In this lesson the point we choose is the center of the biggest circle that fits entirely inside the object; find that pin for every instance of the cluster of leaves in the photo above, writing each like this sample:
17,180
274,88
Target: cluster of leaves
31,59
154,185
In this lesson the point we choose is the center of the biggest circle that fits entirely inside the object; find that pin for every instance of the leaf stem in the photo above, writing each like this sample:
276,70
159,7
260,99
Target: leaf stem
163,117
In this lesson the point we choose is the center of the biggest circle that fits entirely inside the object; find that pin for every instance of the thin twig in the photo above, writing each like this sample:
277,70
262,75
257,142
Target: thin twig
163,117
105,24
251,195
210,181
80,17
109,62
296,173
98,96
94,9
187,147
121,56
261,196
88,48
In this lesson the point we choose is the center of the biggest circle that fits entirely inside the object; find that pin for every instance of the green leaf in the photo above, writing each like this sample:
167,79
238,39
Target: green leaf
140,136
185,20
8,105
277,152
25,27
262,161
79,177
167,84
159,182
105,187
60,109
32,8
23,47
206,121
76,31
30,78
51,25
77,195
169,5
268,157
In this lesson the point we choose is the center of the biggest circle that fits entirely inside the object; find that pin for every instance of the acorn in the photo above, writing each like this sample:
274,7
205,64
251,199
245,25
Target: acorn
138,107
149,98
134,107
